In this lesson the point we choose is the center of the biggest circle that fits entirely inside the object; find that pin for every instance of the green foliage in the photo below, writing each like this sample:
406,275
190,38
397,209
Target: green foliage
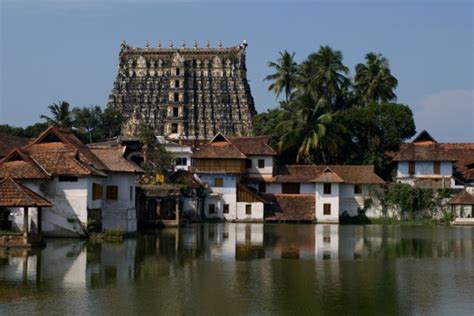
285,76
373,80
61,114
157,161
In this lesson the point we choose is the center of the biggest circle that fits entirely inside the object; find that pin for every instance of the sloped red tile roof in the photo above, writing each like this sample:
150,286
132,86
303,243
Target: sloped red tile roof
257,145
113,159
14,194
328,176
19,165
462,198
219,147
187,178
356,174
290,207
9,142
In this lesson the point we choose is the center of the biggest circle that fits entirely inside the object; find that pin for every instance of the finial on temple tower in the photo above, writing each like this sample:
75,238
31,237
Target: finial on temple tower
147,44
171,45
208,44
183,44
219,44
195,44
158,45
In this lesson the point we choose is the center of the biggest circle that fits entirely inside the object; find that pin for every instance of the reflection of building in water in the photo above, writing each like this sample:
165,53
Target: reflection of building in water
20,266
326,242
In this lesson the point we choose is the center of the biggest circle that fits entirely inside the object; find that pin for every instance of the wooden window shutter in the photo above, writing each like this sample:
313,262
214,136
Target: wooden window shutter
112,193
411,167
327,209
248,209
96,191
437,167
218,182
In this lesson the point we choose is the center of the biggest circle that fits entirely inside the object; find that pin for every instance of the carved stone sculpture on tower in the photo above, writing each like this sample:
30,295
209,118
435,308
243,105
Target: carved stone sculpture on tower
187,92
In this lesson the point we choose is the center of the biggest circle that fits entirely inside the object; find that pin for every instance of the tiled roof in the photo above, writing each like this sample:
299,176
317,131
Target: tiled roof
19,165
425,148
253,145
185,177
290,207
219,147
9,142
357,174
462,198
113,159
14,194
328,176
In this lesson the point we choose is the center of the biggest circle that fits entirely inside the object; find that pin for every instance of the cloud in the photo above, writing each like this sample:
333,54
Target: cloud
447,115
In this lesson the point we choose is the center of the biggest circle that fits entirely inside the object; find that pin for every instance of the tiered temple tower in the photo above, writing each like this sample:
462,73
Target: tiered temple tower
185,92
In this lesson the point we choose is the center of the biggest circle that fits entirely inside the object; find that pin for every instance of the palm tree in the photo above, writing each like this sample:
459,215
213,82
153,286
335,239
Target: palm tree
324,75
374,81
61,114
284,77
310,128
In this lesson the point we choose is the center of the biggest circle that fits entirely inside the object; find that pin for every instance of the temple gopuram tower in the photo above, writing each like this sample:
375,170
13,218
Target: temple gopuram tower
185,92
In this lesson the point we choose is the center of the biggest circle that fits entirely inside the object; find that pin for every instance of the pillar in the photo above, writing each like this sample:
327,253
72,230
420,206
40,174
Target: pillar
40,221
177,210
25,221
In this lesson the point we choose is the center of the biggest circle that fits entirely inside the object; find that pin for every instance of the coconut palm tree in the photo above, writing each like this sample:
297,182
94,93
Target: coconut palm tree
284,77
374,81
61,114
324,75
310,129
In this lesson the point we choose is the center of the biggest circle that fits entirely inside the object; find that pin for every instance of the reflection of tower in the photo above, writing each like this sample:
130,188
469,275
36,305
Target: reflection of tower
327,242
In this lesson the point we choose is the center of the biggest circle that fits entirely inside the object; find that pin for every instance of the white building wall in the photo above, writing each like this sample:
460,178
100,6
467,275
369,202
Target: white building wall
119,214
257,211
424,168
332,199
307,188
267,170
274,188
227,194
68,216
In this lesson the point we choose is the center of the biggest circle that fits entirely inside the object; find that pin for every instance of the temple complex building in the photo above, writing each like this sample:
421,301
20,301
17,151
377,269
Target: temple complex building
184,92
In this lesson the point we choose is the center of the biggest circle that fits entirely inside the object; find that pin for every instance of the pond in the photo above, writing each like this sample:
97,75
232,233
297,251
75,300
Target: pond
229,269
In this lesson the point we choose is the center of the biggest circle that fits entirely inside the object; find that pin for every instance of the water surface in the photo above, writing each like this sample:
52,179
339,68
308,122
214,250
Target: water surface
228,269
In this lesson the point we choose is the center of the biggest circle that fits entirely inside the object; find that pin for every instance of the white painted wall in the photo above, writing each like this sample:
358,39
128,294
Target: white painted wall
332,199
274,188
120,214
307,188
267,170
227,194
257,211
424,168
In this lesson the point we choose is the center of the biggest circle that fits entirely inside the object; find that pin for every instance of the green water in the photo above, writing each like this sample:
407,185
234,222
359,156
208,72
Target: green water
233,269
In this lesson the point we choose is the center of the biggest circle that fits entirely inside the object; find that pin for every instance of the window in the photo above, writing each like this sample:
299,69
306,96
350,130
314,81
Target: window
96,191
212,209
436,167
262,187
68,179
177,71
290,188
326,239
176,83
411,167
131,193
357,188
226,208
174,128
327,209
218,182
327,188
181,161
248,209
248,163
111,193
261,163
176,97
175,112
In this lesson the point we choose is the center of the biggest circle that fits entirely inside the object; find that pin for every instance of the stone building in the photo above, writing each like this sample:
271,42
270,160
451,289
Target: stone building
184,92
